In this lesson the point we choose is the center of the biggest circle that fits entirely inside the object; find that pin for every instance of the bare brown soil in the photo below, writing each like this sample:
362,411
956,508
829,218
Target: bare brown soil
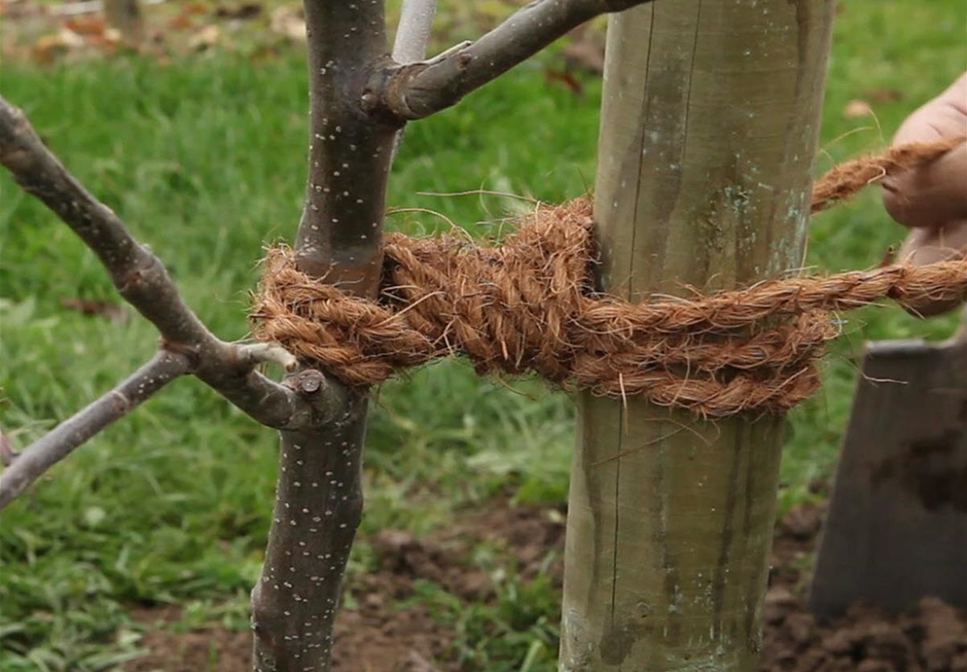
933,638
380,636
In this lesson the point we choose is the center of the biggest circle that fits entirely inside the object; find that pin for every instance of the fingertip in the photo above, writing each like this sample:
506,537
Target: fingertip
896,201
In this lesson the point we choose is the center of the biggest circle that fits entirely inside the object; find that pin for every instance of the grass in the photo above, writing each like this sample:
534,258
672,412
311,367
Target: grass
203,157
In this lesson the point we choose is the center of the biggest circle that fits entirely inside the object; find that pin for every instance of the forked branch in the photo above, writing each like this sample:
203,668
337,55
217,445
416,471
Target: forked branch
143,281
57,444
421,89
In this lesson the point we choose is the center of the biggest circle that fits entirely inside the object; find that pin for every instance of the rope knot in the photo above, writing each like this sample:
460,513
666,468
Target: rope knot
529,305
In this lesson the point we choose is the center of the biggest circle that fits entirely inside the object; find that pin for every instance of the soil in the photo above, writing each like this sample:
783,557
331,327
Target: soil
933,638
380,636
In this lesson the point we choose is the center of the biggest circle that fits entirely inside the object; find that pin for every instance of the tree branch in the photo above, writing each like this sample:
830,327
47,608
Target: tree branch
421,89
30,464
413,32
258,353
412,37
142,279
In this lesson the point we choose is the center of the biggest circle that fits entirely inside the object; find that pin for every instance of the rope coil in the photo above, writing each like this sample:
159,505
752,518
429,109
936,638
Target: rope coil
528,305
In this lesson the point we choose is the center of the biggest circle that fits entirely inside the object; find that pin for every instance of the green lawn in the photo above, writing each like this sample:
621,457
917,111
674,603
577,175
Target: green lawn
203,157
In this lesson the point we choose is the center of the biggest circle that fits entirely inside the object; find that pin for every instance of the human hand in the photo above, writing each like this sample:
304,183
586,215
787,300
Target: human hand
932,201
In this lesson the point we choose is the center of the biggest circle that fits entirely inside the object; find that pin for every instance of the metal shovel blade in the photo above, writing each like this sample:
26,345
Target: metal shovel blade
897,523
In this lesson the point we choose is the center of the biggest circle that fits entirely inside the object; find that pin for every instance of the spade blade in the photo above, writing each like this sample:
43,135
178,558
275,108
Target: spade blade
897,523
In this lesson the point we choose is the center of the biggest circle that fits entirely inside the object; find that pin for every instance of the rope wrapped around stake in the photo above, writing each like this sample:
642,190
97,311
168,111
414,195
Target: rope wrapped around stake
528,305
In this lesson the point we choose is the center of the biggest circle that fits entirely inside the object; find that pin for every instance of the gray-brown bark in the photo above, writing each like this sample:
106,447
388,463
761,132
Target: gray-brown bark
421,89
57,444
319,493
142,280
318,506
413,32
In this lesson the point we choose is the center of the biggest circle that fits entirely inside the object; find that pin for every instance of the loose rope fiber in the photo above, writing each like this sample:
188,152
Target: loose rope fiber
528,305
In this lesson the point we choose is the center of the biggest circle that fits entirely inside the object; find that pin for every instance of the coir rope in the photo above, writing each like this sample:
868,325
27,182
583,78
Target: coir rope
528,305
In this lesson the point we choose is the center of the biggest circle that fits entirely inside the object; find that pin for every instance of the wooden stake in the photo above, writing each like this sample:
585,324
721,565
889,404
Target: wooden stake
709,126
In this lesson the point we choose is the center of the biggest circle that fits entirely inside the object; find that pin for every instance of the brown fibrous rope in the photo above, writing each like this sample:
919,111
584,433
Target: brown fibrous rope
529,305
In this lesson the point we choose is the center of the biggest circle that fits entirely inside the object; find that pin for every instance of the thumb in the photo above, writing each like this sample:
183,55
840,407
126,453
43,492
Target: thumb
931,196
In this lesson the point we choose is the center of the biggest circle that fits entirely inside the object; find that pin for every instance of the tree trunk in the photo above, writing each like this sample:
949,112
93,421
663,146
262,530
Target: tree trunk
125,17
708,130
319,496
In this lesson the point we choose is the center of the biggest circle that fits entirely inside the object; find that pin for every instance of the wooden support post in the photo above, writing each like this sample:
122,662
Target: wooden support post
709,127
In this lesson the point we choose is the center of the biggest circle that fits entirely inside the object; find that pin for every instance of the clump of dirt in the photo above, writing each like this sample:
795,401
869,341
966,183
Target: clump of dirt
212,649
380,636
529,534
443,561
375,637
526,534
933,638
866,639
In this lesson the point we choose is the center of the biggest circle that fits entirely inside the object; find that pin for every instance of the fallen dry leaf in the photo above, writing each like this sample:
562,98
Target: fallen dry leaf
243,12
109,39
70,39
205,38
290,22
566,78
49,47
86,25
94,307
182,21
884,95
857,108
584,50
195,8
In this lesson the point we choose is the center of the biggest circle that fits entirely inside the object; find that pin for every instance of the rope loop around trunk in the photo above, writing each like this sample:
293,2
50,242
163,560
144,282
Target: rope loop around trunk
528,305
